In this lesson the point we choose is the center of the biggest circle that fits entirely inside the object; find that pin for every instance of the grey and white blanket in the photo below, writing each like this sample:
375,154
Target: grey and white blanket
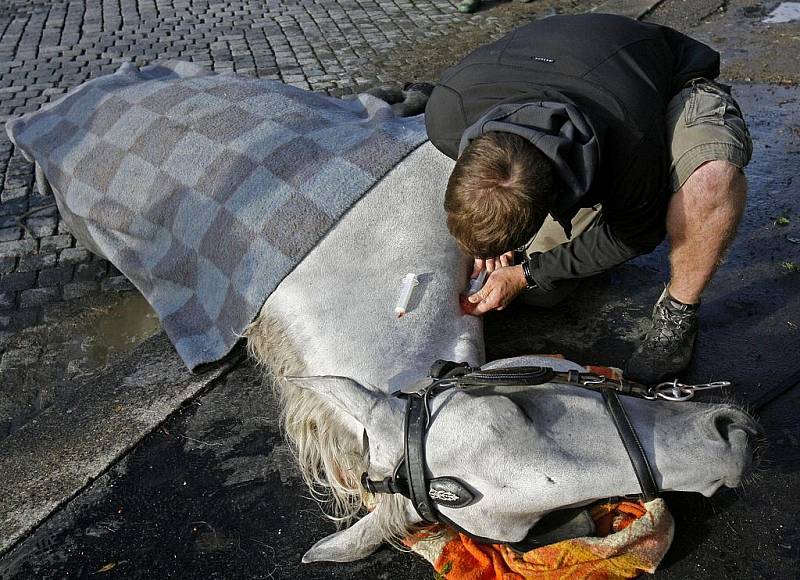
206,189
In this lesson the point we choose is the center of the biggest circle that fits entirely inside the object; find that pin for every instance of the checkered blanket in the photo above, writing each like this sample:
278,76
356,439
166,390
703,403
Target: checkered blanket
206,189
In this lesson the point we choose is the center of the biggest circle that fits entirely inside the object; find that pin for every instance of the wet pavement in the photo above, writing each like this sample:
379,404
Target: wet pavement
47,363
213,491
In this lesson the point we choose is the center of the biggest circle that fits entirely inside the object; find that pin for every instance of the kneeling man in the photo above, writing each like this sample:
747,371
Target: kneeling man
586,139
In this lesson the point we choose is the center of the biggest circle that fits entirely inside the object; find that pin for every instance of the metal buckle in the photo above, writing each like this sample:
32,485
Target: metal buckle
677,392
591,379
418,389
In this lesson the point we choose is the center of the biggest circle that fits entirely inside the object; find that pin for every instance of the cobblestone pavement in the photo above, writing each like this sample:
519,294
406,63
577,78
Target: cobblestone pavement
47,47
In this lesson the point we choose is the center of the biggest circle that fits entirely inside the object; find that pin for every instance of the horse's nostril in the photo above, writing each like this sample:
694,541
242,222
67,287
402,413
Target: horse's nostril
722,423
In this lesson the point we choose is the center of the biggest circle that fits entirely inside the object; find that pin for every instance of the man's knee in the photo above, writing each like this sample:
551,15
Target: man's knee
716,184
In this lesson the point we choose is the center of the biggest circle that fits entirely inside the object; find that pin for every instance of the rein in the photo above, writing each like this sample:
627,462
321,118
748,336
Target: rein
410,479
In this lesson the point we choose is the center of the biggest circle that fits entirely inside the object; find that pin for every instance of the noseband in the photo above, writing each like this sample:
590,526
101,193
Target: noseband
410,479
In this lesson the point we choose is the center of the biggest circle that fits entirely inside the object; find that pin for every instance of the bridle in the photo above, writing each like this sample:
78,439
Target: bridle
409,477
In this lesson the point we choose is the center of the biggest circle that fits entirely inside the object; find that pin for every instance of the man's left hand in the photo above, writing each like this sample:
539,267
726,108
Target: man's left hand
501,287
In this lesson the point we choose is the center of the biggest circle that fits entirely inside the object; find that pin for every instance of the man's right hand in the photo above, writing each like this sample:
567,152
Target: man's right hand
492,264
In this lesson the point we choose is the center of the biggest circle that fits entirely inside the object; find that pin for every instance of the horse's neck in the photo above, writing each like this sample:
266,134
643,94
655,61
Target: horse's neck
337,306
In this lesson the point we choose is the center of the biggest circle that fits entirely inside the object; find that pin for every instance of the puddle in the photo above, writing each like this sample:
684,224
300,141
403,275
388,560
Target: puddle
53,359
117,330
785,12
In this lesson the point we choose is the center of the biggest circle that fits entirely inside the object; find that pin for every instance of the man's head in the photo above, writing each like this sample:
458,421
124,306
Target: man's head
498,194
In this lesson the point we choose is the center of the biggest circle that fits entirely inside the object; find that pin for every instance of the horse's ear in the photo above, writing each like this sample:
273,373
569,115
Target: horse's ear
356,542
363,404
379,414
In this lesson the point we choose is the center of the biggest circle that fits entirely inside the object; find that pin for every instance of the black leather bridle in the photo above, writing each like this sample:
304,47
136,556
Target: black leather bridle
410,478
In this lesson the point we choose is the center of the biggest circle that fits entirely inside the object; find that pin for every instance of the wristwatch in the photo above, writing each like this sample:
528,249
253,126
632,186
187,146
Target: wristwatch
527,268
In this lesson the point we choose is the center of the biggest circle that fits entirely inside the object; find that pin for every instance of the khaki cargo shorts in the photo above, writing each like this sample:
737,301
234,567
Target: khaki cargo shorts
704,123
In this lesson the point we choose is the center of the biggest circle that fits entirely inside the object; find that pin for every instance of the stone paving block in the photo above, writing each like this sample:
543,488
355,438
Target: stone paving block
5,324
73,256
55,276
11,193
18,281
11,209
24,247
42,226
58,242
19,358
7,264
8,299
91,271
18,319
14,183
38,296
10,234
80,289
18,165
36,262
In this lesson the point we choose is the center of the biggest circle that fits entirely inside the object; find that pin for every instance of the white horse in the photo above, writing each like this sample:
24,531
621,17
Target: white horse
333,317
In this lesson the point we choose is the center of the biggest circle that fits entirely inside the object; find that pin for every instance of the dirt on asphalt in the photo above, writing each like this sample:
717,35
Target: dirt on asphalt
424,60
752,50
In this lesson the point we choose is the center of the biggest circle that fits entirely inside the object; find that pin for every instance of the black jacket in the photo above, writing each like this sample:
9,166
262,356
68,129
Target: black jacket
611,78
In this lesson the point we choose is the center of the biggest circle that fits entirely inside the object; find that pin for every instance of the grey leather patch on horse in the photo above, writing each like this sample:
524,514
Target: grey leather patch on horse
450,492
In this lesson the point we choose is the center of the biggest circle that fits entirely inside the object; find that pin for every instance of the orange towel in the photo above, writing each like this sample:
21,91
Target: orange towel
636,538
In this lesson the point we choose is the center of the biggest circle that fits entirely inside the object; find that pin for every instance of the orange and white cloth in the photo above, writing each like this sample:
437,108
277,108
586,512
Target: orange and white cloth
632,539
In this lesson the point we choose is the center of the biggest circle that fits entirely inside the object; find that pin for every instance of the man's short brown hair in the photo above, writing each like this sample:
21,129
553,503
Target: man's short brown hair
498,194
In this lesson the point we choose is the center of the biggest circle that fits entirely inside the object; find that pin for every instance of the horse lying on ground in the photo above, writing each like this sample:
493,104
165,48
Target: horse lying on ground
523,455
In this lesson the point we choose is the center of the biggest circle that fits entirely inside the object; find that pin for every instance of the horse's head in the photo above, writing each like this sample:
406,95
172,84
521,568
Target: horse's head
525,453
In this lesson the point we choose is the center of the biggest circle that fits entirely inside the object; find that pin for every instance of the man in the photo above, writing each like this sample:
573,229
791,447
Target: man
594,136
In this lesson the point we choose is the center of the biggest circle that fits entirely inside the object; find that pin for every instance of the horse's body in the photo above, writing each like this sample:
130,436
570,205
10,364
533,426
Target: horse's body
333,315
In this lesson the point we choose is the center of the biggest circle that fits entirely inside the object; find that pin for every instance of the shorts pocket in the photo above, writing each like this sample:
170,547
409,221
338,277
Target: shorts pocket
705,107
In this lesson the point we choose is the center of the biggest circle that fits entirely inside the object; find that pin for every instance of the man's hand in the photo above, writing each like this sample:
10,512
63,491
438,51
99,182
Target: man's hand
501,287
492,264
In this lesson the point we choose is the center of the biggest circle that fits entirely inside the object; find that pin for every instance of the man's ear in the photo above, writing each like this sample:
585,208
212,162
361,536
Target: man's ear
356,542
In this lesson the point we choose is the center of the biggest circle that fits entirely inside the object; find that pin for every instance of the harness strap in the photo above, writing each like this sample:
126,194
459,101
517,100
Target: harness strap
416,424
530,376
641,466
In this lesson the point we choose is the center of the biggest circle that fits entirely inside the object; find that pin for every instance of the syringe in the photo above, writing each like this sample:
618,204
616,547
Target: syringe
409,283
475,284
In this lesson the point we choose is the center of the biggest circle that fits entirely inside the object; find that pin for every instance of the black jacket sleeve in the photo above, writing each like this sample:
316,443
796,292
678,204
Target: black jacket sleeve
633,222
